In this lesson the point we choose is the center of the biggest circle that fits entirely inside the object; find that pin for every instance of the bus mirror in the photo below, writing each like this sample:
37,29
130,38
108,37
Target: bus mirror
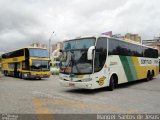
90,53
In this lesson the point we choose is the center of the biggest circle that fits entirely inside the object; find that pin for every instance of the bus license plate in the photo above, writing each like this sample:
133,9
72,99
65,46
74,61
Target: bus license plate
71,84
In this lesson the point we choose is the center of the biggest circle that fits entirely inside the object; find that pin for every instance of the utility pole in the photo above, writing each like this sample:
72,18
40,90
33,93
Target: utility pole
49,45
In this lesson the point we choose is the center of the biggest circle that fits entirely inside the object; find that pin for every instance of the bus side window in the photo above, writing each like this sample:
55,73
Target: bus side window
113,47
100,54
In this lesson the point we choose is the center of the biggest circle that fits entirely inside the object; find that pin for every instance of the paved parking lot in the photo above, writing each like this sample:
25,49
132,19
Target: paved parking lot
47,96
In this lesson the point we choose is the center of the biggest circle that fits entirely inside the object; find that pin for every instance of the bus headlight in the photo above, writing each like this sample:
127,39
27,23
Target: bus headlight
86,80
25,75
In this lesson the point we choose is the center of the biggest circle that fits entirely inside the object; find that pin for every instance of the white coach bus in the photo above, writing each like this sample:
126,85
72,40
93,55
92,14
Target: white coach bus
96,62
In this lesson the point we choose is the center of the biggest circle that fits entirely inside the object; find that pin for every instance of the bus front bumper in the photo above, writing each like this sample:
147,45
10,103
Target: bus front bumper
39,76
34,76
85,85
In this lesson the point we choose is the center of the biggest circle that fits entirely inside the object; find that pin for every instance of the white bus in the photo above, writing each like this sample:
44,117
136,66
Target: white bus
159,64
96,62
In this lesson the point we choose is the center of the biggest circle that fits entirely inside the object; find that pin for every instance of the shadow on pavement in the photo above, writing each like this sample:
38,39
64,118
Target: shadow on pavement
29,79
35,79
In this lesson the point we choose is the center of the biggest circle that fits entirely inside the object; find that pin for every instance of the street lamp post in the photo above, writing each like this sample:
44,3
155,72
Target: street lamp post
49,46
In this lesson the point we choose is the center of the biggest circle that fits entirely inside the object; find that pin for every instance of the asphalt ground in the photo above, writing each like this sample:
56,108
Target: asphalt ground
46,96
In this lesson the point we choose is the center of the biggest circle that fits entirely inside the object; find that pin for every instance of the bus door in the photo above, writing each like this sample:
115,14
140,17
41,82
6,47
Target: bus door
15,69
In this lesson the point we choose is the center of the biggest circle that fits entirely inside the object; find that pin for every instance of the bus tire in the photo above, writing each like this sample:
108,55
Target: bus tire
149,76
153,74
111,84
4,73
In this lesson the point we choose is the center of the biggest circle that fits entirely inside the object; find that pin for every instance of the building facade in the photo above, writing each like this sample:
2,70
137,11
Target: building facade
134,37
39,45
55,49
155,43
128,36
58,45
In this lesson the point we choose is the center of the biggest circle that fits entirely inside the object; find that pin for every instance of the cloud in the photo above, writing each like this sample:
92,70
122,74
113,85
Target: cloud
26,21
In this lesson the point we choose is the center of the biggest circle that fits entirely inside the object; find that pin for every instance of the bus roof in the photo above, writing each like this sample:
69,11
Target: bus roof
29,47
132,42
77,38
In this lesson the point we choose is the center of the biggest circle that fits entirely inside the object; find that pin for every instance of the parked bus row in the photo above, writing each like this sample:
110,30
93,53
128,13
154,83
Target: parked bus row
89,62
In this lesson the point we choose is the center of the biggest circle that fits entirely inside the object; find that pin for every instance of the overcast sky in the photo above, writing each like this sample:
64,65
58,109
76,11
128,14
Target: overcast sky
23,22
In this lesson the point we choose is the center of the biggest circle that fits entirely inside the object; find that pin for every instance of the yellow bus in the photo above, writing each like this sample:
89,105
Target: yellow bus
0,63
30,62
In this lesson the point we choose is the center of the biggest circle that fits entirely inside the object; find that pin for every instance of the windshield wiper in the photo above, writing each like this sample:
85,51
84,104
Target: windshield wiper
65,66
74,63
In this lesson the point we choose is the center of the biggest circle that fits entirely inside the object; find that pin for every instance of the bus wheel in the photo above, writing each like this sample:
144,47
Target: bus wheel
153,74
4,73
149,76
111,84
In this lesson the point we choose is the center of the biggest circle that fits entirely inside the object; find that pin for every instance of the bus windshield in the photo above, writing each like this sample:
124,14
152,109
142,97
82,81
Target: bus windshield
83,43
40,65
74,57
34,52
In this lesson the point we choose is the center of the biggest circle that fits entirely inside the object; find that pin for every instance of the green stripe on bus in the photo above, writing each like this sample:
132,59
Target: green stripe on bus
126,67
132,68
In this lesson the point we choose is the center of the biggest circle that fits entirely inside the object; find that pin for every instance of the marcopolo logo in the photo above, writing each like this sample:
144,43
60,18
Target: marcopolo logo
148,61
144,61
